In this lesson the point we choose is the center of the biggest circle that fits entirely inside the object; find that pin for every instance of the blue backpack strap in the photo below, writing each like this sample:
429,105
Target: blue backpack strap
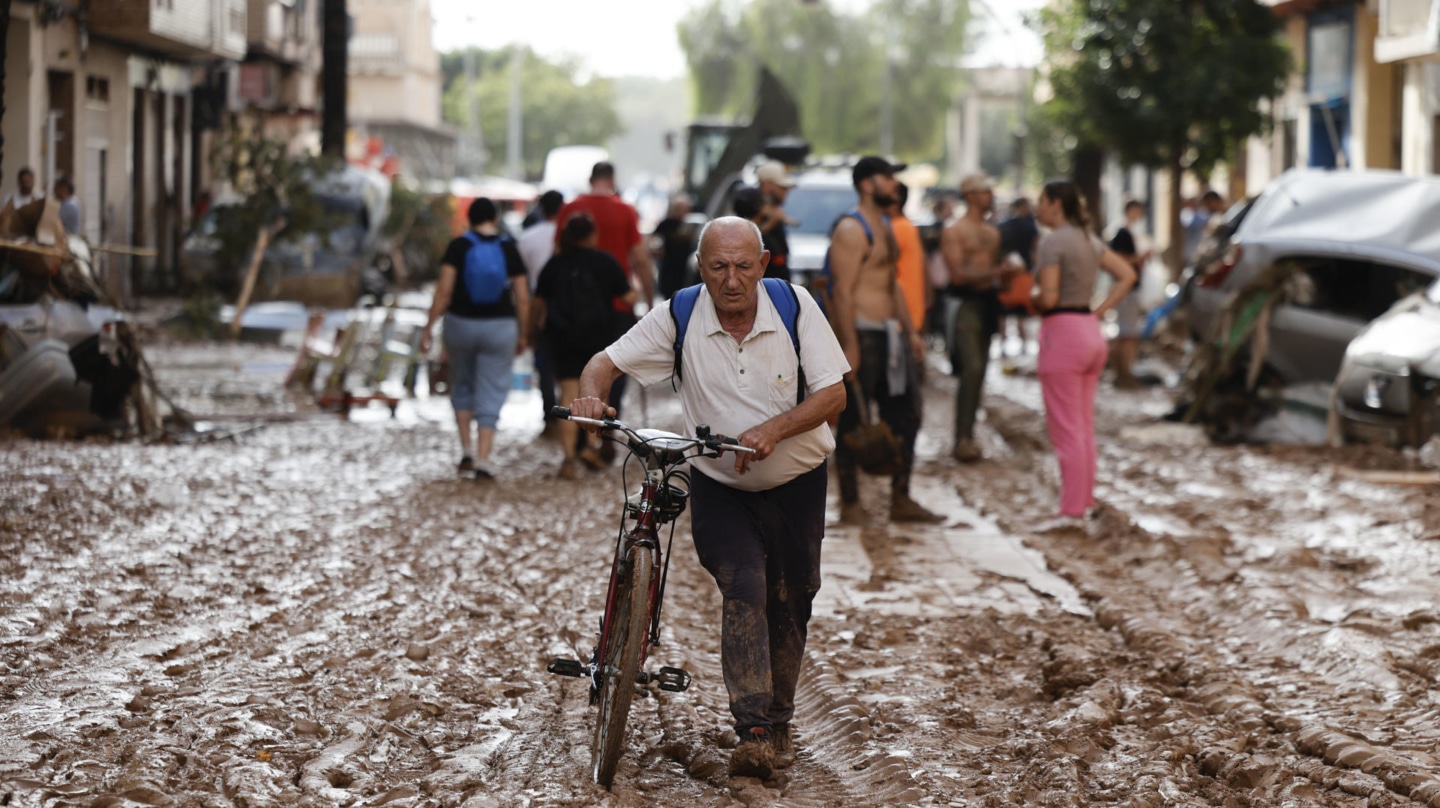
682,305
787,304
869,234
782,295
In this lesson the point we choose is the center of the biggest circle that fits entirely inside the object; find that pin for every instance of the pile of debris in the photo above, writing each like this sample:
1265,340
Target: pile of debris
69,363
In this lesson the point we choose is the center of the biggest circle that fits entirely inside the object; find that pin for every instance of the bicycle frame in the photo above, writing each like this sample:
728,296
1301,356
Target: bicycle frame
622,650
644,531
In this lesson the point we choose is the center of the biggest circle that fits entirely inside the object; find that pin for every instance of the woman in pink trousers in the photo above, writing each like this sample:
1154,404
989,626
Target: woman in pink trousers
1072,349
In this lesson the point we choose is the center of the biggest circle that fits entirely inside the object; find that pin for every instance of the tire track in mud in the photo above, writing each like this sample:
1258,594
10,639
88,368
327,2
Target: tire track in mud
1335,759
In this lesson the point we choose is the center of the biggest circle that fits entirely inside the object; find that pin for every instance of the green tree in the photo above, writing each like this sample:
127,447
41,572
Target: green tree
1173,84
558,108
835,65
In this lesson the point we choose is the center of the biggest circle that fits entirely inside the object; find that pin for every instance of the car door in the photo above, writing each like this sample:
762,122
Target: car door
1328,302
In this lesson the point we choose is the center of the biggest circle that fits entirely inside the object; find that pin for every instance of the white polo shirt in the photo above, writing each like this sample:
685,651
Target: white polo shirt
735,386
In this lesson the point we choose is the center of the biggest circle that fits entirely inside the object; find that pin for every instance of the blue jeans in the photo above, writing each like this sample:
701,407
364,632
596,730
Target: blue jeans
482,354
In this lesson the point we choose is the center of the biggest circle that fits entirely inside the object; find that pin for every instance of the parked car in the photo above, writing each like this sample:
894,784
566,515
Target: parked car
1388,388
820,197
332,268
1358,241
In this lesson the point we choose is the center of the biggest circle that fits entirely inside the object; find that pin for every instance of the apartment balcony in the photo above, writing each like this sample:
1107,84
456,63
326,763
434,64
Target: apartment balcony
376,55
178,29
285,31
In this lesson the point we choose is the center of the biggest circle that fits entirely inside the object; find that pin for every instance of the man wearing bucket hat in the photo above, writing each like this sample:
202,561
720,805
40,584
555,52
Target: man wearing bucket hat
971,247
868,311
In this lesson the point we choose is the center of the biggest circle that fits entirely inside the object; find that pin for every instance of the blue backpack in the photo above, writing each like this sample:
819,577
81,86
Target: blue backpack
782,294
825,271
486,272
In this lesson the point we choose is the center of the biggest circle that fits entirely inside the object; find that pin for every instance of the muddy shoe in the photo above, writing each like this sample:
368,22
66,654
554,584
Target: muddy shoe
466,465
905,509
967,452
754,757
484,470
591,458
851,513
567,470
784,745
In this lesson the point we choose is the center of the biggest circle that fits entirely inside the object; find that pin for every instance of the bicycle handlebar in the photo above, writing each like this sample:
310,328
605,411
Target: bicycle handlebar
715,443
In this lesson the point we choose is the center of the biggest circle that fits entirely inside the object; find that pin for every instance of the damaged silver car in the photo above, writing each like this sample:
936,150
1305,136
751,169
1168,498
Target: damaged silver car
1388,388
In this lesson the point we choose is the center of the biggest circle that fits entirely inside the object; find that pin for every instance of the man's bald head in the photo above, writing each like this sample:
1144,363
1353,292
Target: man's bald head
731,231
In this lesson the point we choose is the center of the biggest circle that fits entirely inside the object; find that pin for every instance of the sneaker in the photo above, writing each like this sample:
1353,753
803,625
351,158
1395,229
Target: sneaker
783,743
591,458
851,513
567,470
966,451
466,465
905,509
754,757
483,470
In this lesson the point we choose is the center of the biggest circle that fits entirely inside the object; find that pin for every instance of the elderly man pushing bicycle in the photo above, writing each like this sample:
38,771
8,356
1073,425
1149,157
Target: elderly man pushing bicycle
758,521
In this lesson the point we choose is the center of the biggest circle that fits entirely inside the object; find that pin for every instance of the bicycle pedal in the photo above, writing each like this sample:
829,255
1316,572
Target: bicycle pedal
674,680
566,667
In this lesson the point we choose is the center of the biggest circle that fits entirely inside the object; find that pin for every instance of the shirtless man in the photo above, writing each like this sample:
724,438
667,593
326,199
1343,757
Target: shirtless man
971,247
867,309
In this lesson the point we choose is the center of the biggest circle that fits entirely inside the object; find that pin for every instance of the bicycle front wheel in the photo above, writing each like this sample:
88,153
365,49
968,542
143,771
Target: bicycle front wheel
621,666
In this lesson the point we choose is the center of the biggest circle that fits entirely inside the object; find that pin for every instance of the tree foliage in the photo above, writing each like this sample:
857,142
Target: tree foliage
1163,83
834,63
558,107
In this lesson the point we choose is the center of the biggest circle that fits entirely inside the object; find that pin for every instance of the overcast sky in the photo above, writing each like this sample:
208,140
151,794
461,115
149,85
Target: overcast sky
641,41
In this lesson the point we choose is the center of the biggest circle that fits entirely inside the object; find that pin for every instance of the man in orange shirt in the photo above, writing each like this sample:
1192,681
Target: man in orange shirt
911,264
617,226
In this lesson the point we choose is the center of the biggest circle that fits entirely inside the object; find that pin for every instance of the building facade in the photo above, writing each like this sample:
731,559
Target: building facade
1365,94
395,89
105,100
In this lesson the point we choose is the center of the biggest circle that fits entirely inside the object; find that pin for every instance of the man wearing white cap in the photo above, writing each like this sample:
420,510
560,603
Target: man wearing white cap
971,247
775,184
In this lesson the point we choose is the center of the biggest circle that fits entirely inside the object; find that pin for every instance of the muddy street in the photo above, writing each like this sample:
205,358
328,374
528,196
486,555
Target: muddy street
319,612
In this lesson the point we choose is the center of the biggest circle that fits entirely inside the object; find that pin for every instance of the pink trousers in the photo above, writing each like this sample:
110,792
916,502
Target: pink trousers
1072,356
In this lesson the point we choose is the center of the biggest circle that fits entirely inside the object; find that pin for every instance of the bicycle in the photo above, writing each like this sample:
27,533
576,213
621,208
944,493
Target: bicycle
630,624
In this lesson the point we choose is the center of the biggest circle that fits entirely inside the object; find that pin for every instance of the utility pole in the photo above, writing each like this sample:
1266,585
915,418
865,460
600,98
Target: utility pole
514,130
335,51
887,91
471,138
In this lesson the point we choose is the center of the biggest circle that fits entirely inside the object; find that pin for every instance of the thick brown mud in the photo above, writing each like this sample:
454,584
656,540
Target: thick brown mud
318,612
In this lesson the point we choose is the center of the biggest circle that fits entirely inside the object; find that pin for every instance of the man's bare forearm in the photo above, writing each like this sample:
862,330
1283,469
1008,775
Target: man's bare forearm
598,376
817,408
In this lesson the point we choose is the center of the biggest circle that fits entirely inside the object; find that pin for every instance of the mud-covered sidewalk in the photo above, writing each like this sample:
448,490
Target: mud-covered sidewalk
320,613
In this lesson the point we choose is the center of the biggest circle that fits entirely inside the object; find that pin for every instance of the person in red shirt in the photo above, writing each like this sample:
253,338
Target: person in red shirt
618,227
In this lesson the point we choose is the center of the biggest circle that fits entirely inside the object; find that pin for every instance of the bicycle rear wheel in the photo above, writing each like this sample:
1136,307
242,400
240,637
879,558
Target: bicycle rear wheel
621,665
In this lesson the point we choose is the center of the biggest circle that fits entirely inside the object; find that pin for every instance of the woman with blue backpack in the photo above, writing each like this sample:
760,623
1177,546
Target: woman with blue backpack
484,294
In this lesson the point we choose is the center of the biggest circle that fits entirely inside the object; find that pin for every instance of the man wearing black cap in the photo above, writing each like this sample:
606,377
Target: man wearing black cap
867,309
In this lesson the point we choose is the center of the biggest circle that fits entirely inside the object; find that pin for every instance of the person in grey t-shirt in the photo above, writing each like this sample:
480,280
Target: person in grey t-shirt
1072,349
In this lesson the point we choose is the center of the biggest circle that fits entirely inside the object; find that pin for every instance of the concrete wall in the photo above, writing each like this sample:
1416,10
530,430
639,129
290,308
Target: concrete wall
22,141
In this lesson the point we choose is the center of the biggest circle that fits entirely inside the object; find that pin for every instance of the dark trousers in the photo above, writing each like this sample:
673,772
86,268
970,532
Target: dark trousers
763,548
901,412
545,377
972,354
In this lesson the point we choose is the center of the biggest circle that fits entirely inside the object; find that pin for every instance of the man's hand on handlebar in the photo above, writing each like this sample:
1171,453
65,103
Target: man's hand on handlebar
760,438
591,407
